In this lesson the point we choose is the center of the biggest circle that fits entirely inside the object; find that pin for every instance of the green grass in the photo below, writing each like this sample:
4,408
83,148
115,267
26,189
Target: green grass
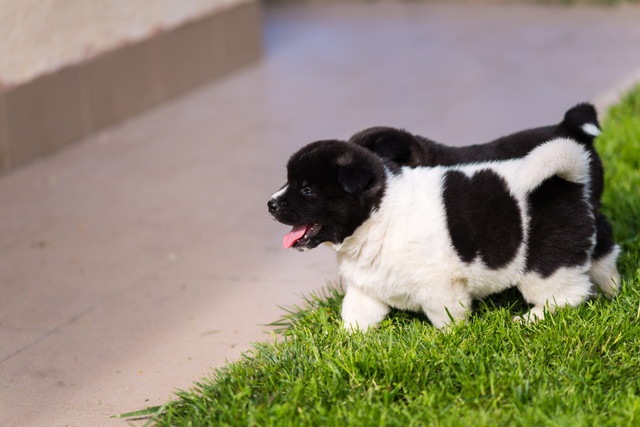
577,367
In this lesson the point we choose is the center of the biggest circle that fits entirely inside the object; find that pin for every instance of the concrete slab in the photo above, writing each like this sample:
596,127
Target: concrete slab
134,262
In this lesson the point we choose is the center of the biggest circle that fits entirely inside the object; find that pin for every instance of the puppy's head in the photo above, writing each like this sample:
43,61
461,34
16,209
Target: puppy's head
331,189
397,147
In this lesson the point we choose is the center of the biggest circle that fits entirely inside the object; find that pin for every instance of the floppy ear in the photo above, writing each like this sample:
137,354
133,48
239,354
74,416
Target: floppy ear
355,178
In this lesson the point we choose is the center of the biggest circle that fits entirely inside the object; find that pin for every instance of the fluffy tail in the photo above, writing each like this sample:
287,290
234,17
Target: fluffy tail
561,157
581,122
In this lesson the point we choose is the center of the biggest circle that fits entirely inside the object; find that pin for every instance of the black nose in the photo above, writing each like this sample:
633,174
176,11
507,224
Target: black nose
273,206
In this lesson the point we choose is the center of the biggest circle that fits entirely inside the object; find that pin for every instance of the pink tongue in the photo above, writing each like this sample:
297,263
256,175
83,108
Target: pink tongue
294,235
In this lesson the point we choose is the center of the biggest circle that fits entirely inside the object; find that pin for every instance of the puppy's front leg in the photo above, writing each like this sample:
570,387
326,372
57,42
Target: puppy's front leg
360,311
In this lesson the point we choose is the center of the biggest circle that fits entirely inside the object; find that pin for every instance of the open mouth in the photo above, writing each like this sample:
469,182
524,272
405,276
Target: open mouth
300,235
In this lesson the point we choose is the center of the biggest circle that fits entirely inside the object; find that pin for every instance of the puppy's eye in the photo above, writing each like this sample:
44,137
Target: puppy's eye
307,192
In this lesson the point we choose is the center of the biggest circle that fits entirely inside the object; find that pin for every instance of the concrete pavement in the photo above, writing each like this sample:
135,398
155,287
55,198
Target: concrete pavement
135,261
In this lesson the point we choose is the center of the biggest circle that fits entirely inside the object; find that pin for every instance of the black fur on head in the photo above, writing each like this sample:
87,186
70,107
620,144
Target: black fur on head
397,146
332,187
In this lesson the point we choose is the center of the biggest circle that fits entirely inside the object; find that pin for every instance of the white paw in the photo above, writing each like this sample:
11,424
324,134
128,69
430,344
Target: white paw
532,316
360,312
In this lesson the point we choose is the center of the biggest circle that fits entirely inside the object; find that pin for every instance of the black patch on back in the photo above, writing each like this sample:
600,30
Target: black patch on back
561,227
483,217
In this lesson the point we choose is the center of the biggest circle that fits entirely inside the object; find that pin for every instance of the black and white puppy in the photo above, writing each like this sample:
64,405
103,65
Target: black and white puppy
432,239
580,123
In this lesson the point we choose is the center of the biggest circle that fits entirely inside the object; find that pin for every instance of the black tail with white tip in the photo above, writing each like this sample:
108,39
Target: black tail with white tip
581,122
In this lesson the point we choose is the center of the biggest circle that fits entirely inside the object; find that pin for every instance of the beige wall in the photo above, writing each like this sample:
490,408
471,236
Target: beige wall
40,36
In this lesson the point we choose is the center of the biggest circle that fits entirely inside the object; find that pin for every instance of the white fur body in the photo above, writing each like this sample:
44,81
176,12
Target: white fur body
402,256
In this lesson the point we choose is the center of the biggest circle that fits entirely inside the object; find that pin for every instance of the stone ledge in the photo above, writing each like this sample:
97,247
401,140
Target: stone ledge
56,109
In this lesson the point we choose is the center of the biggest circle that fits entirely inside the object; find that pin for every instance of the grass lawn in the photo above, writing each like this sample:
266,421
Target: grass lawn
577,367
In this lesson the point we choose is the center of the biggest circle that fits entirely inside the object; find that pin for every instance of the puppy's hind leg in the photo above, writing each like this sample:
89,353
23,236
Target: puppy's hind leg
446,307
604,272
566,286
360,311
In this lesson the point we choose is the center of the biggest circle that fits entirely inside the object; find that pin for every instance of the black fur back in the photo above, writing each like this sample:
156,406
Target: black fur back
483,218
